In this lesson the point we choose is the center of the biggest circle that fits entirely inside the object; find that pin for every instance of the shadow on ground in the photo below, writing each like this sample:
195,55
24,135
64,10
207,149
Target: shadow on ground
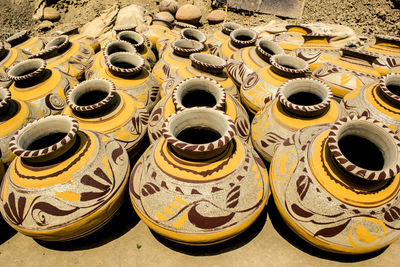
6,231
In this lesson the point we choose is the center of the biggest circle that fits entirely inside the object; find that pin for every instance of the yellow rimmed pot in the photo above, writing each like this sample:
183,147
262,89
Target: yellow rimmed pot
21,40
238,39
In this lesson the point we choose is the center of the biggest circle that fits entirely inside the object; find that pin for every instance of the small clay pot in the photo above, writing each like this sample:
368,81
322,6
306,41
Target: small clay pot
216,39
239,38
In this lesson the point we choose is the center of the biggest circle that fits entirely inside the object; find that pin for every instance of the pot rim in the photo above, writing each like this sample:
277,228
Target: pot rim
274,62
239,43
115,42
18,37
265,55
135,36
203,37
125,71
6,96
199,62
40,66
228,27
184,25
383,82
197,47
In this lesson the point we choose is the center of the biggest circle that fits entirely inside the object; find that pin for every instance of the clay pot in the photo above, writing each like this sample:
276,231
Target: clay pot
14,114
216,39
71,57
98,106
298,103
127,72
9,57
156,31
353,70
189,14
39,85
86,40
238,39
21,40
336,185
204,65
197,92
258,87
199,184
292,38
71,181
170,6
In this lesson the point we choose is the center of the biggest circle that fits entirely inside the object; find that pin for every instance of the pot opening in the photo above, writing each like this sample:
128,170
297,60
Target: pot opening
305,99
392,83
197,97
119,46
128,39
198,135
290,62
27,68
45,141
394,88
194,34
91,97
243,37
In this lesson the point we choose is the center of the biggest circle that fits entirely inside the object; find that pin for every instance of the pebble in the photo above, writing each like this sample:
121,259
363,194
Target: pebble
165,16
45,25
216,16
189,14
170,6
51,14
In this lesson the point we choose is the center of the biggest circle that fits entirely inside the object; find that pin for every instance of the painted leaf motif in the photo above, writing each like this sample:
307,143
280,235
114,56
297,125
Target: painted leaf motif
15,212
205,222
232,199
301,212
150,189
392,214
332,231
303,184
44,207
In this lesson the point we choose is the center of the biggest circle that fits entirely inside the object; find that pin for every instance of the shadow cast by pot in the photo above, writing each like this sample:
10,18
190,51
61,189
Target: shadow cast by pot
281,227
6,231
220,248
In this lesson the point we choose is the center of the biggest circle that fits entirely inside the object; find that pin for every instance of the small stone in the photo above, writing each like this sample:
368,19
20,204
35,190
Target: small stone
170,6
216,16
45,25
189,14
165,16
51,14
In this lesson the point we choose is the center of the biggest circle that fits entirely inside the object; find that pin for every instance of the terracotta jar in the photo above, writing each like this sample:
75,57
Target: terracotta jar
157,30
298,103
380,101
127,72
9,57
43,87
205,65
172,35
292,38
336,185
199,184
65,183
216,39
353,70
176,58
98,106
71,57
21,40
197,92
258,87
14,114
238,39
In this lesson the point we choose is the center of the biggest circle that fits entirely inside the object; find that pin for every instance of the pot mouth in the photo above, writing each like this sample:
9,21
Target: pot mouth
44,136
122,28
193,34
18,38
56,45
361,54
229,27
59,42
185,47
91,95
314,36
266,49
183,25
390,87
364,147
5,97
27,69
289,64
207,62
125,63
199,92
198,129
302,29
134,38
382,37
243,37
305,96
118,46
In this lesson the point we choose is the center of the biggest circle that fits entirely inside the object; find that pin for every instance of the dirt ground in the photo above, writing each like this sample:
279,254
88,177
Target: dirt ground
366,17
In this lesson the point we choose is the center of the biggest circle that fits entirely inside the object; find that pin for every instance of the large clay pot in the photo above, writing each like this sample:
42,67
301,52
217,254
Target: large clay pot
216,39
9,57
336,185
353,70
14,114
238,39
98,106
21,40
197,92
64,183
199,184
156,31
71,57
258,87
299,103
174,34
205,65
41,86
292,38
127,72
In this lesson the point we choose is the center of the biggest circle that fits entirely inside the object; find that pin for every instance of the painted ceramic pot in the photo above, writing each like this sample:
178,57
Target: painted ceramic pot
98,106
9,57
199,184
23,41
299,103
198,92
238,39
252,58
14,114
336,185
316,50
173,35
380,101
43,87
176,58
353,70
205,65
87,40
156,31
292,38
2,170
71,57
258,87
127,72
56,207
216,39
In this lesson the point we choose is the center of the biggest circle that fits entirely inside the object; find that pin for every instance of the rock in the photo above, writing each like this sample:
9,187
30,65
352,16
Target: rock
45,26
133,15
216,16
101,24
170,6
165,16
189,14
39,9
51,14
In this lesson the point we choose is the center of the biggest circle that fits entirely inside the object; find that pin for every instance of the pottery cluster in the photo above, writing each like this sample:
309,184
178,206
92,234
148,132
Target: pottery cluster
186,123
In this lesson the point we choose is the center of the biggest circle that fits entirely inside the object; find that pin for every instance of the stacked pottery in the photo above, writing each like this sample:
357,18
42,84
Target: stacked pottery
172,35
9,57
204,65
292,38
219,37
21,40
199,184
98,106
258,87
65,183
127,72
387,50
14,114
352,71
156,31
41,86
336,185
199,92
299,103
